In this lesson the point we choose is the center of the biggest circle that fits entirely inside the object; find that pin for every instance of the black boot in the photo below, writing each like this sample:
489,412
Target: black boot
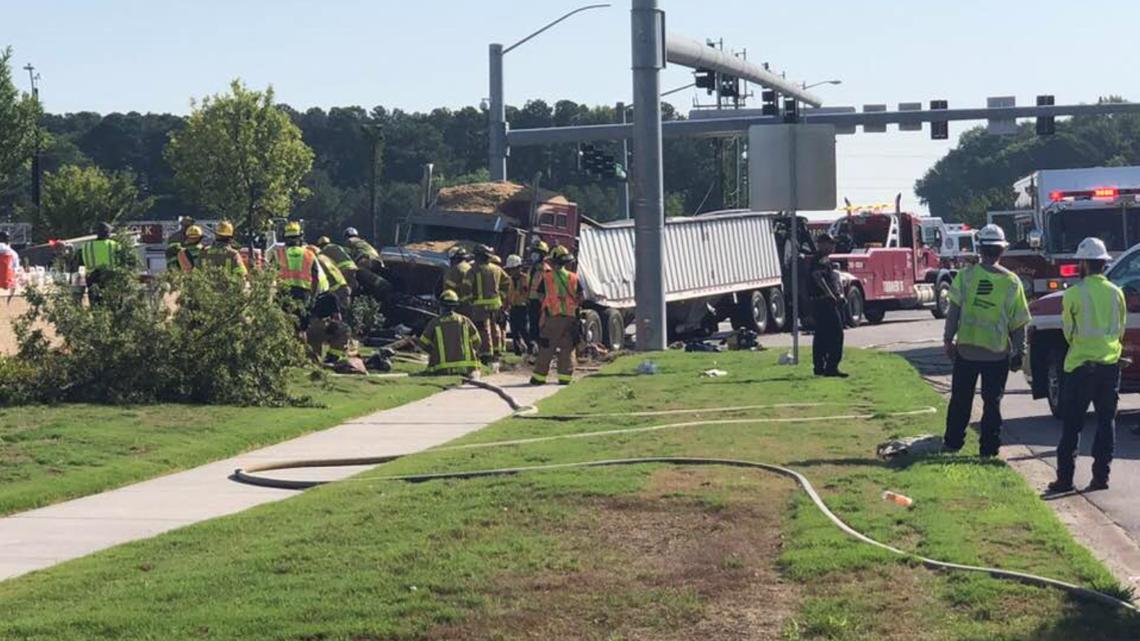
1098,483
1059,487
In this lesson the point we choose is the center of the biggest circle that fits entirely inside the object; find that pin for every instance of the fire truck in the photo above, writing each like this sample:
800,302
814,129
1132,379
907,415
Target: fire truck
1056,209
892,267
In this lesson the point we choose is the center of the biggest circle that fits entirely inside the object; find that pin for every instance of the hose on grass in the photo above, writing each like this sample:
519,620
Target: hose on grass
251,475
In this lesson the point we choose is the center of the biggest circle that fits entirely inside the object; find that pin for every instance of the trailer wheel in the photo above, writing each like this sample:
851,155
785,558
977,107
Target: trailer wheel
593,328
752,312
856,310
941,300
777,310
613,329
1053,377
875,314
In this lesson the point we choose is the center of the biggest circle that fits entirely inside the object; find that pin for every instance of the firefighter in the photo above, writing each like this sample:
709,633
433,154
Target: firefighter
827,307
337,282
458,264
326,326
539,265
517,303
221,254
450,339
99,257
1094,316
191,253
987,316
559,294
486,285
175,241
500,321
369,273
342,259
9,263
298,273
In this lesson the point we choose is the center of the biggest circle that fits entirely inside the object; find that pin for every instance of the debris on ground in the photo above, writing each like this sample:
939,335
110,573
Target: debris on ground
714,373
701,346
378,362
647,367
898,499
351,365
787,359
909,446
744,339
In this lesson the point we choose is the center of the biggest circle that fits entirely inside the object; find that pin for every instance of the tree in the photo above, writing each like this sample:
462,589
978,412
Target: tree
76,198
19,115
240,156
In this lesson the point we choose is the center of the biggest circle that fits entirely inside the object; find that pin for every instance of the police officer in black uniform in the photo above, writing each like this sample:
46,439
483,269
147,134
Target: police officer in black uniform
827,304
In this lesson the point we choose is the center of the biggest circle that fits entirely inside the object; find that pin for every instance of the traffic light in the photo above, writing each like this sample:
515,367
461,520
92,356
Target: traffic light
791,110
1046,125
585,157
768,100
939,129
729,87
705,79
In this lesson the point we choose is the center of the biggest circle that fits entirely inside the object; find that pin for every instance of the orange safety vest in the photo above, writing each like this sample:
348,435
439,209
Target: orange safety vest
561,295
520,289
7,270
185,261
293,269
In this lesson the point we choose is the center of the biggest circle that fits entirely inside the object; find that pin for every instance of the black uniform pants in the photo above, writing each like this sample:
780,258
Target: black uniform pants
1099,385
827,343
965,378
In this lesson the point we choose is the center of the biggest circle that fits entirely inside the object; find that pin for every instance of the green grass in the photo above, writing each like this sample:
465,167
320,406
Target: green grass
564,554
52,453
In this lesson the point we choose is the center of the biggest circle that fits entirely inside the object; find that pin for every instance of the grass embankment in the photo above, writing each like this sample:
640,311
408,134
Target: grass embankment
52,453
650,551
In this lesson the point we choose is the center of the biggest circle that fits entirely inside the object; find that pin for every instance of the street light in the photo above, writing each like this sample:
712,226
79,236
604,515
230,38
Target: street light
497,114
824,82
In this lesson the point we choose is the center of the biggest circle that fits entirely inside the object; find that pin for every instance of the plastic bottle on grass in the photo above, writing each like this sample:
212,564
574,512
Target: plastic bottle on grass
898,499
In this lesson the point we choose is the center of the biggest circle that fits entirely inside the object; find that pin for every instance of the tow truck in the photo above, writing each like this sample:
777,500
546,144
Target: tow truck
1056,209
892,268
1047,346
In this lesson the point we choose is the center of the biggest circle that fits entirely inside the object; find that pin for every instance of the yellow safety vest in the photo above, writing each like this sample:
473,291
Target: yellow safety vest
486,284
99,253
1094,315
336,278
992,305
295,267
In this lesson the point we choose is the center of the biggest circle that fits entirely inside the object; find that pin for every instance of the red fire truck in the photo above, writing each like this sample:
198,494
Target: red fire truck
1055,210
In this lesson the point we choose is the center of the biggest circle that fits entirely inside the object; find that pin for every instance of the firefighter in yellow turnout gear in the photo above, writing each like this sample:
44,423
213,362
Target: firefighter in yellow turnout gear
221,254
517,303
190,255
558,297
450,339
487,285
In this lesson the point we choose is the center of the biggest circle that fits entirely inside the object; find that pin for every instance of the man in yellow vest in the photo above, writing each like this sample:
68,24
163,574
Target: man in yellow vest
487,285
337,282
221,254
517,303
176,240
559,295
342,259
450,339
539,264
299,274
191,253
1094,315
988,315
99,257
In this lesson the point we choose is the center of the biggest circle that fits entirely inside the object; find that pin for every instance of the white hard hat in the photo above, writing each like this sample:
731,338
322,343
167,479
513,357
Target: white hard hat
1092,249
514,260
993,236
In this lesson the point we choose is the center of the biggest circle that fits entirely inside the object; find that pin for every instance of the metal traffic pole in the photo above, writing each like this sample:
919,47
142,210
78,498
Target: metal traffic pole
795,235
623,189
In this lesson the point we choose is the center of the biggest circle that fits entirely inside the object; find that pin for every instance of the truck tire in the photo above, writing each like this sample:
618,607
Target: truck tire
856,309
875,313
593,327
613,329
1053,376
941,300
752,311
777,310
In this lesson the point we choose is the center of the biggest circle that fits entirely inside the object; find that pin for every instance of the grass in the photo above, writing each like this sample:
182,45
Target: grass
649,551
53,453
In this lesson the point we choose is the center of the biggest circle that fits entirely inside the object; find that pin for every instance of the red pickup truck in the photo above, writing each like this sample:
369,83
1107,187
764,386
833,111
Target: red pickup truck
1047,346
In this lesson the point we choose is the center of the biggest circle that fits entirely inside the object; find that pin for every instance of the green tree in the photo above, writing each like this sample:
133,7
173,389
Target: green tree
76,198
241,156
19,115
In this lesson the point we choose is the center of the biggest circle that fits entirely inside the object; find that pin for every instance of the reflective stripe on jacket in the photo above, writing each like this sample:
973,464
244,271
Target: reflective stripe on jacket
992,305
336,278
560,297
223,257
487,283
1094,315
99,253
340,257
295,267
450,341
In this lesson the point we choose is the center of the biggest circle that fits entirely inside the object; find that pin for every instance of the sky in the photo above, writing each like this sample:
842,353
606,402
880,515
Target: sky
155,55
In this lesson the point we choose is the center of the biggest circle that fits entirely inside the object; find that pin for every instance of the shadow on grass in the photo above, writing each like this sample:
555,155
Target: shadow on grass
1084,620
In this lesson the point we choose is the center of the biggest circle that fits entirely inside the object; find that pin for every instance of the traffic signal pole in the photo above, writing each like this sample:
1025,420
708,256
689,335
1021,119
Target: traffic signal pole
497,117
647,23
623,188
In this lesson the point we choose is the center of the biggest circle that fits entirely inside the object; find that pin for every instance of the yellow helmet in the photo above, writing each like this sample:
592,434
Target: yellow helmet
193,233
560,253
322,241
495,259
292,229
225,229
449,297
541,246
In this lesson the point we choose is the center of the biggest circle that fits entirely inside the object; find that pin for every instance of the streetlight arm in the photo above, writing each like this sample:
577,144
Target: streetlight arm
578,10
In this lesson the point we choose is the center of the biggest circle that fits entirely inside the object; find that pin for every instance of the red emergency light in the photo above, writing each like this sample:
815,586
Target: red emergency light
1099,193
1069,270
1105,192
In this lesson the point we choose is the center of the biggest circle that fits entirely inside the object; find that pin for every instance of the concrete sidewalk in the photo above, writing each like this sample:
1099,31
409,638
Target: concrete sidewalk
41,538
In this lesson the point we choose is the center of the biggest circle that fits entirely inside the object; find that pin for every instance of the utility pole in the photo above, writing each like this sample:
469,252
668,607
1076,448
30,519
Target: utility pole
34,78
647,24
623,190
497,117
375,136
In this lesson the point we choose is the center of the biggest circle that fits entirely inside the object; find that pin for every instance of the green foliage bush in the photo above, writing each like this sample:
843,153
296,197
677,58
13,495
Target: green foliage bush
204,337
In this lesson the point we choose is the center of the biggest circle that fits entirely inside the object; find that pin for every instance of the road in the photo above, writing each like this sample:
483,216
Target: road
1108,522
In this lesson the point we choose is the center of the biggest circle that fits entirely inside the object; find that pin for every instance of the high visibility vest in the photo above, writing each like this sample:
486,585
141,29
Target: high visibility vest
334,276
537,275
992,305
520,289
340,257
1094,316
189,257
223,257
7,270
295,268
560,297
99,253
450,338
484,284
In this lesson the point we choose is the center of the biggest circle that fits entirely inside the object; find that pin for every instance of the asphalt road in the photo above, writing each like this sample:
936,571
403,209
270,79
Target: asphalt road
918,336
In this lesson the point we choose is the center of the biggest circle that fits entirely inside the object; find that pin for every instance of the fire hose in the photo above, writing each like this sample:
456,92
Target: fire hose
250,475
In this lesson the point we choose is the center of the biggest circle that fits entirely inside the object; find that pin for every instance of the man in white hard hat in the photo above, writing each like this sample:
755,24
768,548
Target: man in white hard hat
1093,315
984,336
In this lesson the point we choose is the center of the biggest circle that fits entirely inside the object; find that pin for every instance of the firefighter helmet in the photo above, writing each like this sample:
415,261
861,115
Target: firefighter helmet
225,229
992,236
193,233
541,246
561,254
350,232
514,260
449,298
1092,248
323,240
292,229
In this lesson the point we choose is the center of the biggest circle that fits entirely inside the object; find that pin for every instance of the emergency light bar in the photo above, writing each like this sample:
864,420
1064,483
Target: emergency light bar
1099,193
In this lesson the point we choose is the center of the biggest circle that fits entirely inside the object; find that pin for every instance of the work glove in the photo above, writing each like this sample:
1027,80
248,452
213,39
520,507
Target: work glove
1015,362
